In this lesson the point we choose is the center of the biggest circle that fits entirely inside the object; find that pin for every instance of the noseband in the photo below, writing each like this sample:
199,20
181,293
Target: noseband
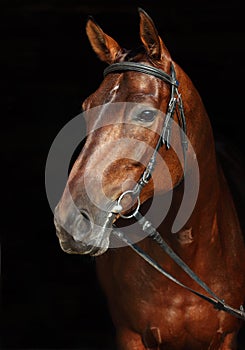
175,104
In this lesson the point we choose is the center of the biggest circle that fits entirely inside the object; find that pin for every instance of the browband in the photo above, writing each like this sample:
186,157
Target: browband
141,68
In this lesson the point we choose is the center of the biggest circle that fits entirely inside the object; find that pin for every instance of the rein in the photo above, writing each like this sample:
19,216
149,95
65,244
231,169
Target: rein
174,103
213,299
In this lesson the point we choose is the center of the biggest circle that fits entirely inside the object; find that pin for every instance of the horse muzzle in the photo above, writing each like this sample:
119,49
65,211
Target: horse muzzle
79,233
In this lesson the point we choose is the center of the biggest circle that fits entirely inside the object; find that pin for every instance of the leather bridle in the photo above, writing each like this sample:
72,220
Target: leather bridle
175,104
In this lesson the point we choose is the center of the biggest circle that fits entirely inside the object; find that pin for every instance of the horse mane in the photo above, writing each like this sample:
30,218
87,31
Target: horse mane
133,54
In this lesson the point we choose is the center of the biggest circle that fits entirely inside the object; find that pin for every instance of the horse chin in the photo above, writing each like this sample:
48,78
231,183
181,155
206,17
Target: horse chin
72,247
98,251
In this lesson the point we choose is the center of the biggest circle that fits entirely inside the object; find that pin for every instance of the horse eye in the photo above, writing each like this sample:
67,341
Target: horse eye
146,116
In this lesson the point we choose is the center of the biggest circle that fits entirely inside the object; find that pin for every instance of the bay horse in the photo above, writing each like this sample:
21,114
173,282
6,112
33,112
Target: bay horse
143,93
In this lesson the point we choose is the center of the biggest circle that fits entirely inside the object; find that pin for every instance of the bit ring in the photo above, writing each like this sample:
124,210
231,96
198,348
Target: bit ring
119,205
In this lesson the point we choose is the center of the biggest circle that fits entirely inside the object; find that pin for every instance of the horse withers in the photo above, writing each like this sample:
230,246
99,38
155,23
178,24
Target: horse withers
135,152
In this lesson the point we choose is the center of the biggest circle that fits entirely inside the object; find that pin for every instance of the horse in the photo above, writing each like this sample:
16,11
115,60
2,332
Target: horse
123,166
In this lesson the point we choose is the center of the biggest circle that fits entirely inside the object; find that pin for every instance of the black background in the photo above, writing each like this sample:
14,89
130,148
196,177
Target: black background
50,299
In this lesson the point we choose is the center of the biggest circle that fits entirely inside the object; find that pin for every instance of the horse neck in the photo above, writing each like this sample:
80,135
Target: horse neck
199,132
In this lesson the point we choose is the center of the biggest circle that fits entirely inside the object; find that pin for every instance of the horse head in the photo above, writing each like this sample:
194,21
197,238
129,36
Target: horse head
125,117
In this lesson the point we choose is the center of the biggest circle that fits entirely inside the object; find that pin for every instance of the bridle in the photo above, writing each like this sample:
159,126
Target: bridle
175,105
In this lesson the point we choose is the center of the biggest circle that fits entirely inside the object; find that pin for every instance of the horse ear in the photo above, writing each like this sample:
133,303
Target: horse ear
150,38
104,46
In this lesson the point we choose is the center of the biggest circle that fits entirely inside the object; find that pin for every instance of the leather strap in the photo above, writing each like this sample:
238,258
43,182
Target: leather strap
154,234
141,68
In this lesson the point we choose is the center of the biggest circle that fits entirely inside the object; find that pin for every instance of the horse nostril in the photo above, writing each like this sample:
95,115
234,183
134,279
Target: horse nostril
87,222
82,227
